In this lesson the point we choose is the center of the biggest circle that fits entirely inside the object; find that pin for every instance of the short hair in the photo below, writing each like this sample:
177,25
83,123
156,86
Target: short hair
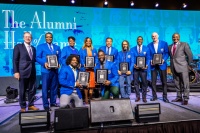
139,37
49,33
28,33
100,51
155,33
69,59
176,33
71,37
109,38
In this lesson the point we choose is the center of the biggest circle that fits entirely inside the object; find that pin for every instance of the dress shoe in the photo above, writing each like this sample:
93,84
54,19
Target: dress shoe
177,100
33,108
23,110
184,102
153,99
137,99
166,100
144,100
47,109
55,105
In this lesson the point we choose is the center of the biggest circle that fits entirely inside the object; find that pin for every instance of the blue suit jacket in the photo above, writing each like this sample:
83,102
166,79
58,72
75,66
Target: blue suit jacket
67,81
129,59
66,51
161,45
145,52
113,52
41,53
83,54
112,74
22,63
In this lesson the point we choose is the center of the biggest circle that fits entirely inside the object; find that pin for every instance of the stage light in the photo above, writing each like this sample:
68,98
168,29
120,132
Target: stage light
106,3
156,4
184,5
44,1
72,1
132,3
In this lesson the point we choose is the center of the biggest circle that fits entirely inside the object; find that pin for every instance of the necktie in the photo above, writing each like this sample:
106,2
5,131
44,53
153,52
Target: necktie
139,50
107,52
30,52
174,49
50,47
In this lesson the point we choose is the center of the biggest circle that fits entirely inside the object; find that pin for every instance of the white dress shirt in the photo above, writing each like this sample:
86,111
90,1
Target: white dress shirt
156,46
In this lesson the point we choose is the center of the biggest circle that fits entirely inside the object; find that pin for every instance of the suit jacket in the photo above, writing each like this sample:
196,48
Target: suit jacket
22,62
145,53
162,49
83,54
128,59
66,51
179,61
112,74
113,52
67,81
41,53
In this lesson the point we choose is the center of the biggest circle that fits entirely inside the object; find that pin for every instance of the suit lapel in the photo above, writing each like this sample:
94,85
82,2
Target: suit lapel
177,47
71,71
170,49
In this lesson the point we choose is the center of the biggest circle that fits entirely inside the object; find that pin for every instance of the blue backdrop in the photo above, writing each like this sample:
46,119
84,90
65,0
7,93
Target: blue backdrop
97,23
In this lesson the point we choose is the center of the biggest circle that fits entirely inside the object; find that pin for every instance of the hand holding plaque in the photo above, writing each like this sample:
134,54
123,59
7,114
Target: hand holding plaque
157,59
89,62
83,78
52,61
101,75
124,67
141,61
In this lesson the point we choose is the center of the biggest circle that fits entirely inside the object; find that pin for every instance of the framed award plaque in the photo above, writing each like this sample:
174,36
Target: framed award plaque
110,58
89,61
83,78
124,67
141,61
52,61
101,75
157,59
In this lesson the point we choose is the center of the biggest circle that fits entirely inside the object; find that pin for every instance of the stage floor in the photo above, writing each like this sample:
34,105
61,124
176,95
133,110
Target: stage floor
170,112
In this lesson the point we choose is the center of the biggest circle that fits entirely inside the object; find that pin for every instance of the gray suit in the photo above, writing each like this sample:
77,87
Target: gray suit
179,66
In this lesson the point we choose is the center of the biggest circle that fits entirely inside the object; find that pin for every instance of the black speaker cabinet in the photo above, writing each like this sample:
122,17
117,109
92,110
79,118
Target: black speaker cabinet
34,121
111,110
71,118
147,112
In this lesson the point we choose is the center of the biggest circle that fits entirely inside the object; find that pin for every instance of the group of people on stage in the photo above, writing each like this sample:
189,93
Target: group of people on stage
71,61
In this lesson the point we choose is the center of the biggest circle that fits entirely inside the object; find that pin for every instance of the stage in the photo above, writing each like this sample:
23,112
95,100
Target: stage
174,117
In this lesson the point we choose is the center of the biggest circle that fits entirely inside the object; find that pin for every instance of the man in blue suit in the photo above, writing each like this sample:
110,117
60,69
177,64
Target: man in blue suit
68,50
110,85
25,72
70,87
125,56
159,47
49,75
109,50
140,50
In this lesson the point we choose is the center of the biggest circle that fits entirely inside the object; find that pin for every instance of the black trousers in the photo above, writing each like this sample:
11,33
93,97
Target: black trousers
27,84
163,77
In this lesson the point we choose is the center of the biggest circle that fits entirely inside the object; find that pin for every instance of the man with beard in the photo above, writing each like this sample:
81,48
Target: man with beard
70,87
159,47
124,56
178,52
142,51
110,85
49,75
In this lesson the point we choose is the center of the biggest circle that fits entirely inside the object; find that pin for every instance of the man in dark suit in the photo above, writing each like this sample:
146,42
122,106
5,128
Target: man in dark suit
180,66
49,75
24,71
159,47
140,50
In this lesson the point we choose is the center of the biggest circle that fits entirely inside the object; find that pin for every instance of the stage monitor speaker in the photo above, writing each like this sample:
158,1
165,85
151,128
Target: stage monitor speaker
11,93
71,118
147,112
31,121
111,110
